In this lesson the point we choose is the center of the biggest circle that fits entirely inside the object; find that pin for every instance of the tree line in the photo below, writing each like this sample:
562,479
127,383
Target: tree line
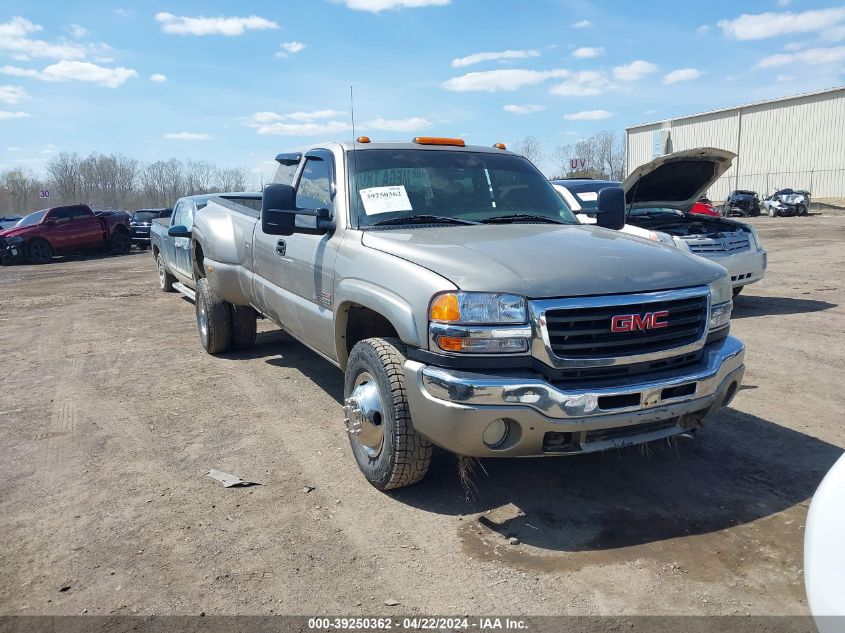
599,156
114,181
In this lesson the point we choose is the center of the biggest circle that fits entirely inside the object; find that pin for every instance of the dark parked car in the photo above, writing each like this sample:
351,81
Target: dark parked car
8,221
140,225
69,229
743,203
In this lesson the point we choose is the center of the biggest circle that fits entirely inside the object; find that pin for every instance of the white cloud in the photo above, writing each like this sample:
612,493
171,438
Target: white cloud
298,123
5,114
762,25
124,13
523,109
158,78
784,78
587,52
77,31
793,46
230,26
583,24
704,28
12,94
681,74
187,136
399,125
477,58
508,79
289,48
375,6
75,71
834,34
588,115
14,39
634,71
812,56
583,84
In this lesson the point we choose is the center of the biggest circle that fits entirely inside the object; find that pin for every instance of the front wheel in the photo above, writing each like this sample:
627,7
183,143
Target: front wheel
39,251
386,447
772,212
214,319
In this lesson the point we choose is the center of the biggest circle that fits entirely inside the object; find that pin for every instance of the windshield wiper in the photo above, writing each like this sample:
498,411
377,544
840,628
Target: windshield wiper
516,217
422,219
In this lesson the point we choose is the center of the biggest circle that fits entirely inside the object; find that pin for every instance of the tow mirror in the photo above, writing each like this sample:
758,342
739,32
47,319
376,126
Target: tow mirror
279,212
179,230
610,210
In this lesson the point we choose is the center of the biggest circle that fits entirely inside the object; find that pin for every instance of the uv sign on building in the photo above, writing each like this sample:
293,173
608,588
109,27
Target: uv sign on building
796,142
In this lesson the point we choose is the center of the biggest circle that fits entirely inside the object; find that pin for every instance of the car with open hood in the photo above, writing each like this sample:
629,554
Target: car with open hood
659,197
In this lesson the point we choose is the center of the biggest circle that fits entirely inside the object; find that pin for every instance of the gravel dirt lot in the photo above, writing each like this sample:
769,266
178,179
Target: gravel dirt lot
111,413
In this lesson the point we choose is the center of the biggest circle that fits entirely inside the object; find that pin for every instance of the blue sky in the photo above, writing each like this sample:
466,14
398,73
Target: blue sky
236,83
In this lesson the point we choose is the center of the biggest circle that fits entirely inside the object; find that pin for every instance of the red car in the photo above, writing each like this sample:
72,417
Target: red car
42,234
704,207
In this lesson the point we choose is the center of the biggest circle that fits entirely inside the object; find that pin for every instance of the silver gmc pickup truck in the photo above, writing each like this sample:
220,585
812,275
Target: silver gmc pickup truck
467,306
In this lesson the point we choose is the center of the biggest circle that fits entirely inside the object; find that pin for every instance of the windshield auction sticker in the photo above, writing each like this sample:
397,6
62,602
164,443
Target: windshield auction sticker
385,200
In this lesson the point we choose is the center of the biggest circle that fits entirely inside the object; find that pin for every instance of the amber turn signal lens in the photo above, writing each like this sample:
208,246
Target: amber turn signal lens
445,307
438,140
451,343
500,146
363,139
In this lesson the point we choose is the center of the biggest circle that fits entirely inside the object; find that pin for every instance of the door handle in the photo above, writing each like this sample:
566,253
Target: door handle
281,248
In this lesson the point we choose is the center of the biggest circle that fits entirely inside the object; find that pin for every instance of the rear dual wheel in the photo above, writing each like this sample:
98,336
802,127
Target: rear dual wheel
223,326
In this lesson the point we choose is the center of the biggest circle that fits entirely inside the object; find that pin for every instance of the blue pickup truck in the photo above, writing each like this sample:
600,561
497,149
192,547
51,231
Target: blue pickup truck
170,238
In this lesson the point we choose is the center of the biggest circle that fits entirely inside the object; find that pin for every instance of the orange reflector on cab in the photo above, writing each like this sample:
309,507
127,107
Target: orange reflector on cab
500,146
437,140
445,308
450,343
363,139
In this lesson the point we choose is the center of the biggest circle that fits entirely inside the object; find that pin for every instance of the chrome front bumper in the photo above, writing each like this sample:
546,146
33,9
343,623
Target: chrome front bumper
452,408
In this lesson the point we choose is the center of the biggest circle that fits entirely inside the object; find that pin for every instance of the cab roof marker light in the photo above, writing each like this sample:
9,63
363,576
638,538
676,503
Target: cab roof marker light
363,139
438,140
500,146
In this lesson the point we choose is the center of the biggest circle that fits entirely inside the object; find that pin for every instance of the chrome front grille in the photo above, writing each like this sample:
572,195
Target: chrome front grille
579,332
718,246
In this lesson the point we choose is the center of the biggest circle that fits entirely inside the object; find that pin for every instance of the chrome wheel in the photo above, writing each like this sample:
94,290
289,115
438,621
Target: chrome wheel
161,272
365,415
202,321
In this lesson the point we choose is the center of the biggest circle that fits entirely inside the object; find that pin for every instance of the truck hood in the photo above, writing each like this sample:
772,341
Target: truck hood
540,261
677,180
21,231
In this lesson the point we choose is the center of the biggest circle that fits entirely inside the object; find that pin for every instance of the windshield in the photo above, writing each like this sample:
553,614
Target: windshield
144,216
468,186
33,218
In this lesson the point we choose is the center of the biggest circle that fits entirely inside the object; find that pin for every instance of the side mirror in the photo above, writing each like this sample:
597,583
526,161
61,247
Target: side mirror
179,230
278,213
610,211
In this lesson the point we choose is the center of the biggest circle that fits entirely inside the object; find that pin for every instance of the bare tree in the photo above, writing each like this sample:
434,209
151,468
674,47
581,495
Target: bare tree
232,179
531,148
63,175
599,156
22,186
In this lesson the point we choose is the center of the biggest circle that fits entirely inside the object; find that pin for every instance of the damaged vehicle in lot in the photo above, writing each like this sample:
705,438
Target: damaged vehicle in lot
64,230
658,196
466,306
743,203
787,203
140,223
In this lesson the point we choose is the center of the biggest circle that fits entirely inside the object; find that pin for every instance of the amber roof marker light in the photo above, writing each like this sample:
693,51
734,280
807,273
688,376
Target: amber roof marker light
438,140
363,139
500,146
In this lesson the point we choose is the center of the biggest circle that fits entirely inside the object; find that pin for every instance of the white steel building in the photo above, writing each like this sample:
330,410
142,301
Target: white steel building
796,142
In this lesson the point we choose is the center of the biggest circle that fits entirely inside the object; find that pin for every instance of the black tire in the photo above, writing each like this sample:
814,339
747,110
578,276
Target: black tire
404,456
802,210
143,247
244,328
737,290
214,319
120,243
165,279
39,251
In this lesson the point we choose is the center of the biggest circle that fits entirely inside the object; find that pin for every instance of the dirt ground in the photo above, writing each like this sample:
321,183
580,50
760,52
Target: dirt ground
111,413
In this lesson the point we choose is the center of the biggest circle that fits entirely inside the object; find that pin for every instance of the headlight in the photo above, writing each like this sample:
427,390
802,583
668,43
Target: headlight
721,291
663,238
479,323
720,314
478,308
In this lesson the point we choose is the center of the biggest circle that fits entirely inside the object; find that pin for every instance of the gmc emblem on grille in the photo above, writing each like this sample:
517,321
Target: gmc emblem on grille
637,322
